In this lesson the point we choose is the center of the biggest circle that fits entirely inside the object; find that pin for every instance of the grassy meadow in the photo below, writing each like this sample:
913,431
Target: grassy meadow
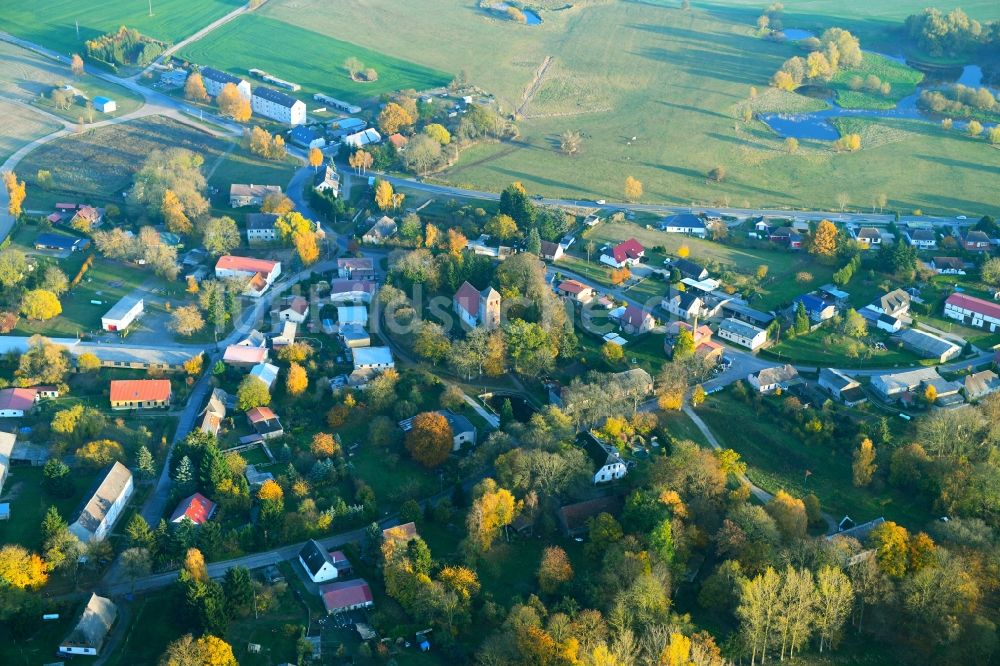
21,126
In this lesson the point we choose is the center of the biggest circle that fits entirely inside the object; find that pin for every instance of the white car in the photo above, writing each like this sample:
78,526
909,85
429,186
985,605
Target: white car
961,217
600,202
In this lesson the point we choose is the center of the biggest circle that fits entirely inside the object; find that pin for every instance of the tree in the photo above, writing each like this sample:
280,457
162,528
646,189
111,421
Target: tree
835,598
990,271
891,548
184,475
297,380
315,157
974,128
431,343
194,88
136,562
186,320
864,463
238,588
569,142
555,569
384,196
825,239
100,453
206,651
56,478
173,213
40,305
502,226
439,133
789,514
16,193
791,145
88,362
717,174
430,439
492,511
930,394
633,189
684,346
855,325
533,244
20,569
801,319
757,611
393,118
76,65
698,395
44,363
306,248
220,235
353,67
612,352
361,161
145,464
13,267
55,280
233,104
251,393
324,445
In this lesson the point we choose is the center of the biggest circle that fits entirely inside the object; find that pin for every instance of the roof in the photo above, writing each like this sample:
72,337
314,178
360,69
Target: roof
777,374
906,381
404,532
859,532
974,236
303,133
21,399
258,414
686,299
140,390
213,74
688,267
740,328
261,221
135,354
57,240
252,190
265,372
635,316
974,304
384,227
356,263
572,286
948,262
345,594
297,304
748,312
835,378
684,221
108,491
346,286
810,302
549,248
196,508
628,249
96,619
459,423
314,556
600,454
833,291
575,516
123,307
372,356
927,344
398,140
980,383
923,235
272,95
244,354
869,233
7,441
894,299
231,262
467,298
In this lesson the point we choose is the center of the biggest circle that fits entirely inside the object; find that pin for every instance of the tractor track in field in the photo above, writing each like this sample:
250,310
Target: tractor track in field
536,82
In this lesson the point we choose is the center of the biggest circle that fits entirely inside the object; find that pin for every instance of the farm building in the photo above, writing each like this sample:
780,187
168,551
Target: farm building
261,272
893,385
278,106
362,138
140,393
972,311
842,387
16,402
980,384
306,137
340,105
124,312
373,358
60,243
346,596
241,194
134,357
105,104
742,333
215,80
927,345
105,505
260,228
96,620
197,509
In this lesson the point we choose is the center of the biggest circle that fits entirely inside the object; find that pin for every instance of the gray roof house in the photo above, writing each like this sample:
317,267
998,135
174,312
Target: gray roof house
462,429
104,507
91,629
928,346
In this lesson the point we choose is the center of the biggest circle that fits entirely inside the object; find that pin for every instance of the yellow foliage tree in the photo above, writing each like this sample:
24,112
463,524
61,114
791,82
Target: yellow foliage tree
40,305
394,118
384,195
194,88
306,248
361,161
173,213
456,242
270,491
324,445
16,192
431,234
194,564
824,240
76,65
782,80
315,157
554,570
229,100
215,651
633,189
100,453
297,380
20,569
493,510
683,252
863,466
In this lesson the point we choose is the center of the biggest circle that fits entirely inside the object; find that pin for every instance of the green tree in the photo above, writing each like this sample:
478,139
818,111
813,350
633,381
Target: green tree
801,319
184,476
238,588
139,534
251,393
533,244
684,346
56,478
145,464
661,541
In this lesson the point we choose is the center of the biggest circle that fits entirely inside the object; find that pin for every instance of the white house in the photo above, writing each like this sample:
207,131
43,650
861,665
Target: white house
362,138
124,312
296,309
626,253
743,334
278,106
373,358
104,506
772,379
214,81
972,311
260,228
684,223
608,465
922,239
241,194
351,291
869,237
552,251
318,562
895,303
260,273
684,304
352,314
96,620
888,323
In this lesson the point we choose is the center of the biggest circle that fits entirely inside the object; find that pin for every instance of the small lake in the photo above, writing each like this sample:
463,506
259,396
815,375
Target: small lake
531,17
795,35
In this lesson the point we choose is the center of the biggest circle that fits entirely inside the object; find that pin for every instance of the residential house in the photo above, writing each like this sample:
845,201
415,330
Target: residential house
980,384
369,362
922,239
842,387
684,304
265,422
286,335
321,564
259,273
346,596
241,194
895,303
626,253
327,180
105,505
607,464
476,307
738,310
404,533
818,309
636,320
689,269
860,533
352,314
839,296
356,268
241,356
351,291
551,251
575,291
362,138
786,236
91,629
296,309
196,509
381,231
260,228
972,311
704,345
684,223
462,429
60,243
277,105
16,402
354,336
742,333
888,323
869,237
7,441
772,379
140,393
895,385
575,518
398,141
215,80
88,216
927,345
306,137
976,241
214,412
124,312
266,373
947,266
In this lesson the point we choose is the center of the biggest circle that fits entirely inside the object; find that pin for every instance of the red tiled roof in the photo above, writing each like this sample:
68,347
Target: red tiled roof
974,304
467,298
345,594
356,263
65,206
241,354
572,286
140,390
21,399
398,140
245,264
258,414
298,304
404,532
196,508
634,315
628,249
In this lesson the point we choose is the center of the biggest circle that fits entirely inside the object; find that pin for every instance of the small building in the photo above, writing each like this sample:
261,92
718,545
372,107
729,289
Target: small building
922,239
636,320
842,387
772,379
244,356
607,464
60,243
869,237
259,273
684,304
383,229
16,402
346,596
327,180
286,335
980,384
104,506
241,194
839,296
266,373
124,312
214,412
927,345
373,358
684,223
689,269
398,141
476,307
260,228
296,309
354,336
196,509
104,104
972,311
89,216
818,309
626,253
344,290
215,80
894,385
92,629
278,106
976,241
742,333
319,563
404,533
352,314
575,291
356,268
947,266
575,518
786,236
140,393
362,138
265,422
7,441
888,323
306,137
552,251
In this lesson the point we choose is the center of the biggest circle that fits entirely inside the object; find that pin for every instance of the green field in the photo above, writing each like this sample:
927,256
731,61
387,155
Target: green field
294,54
21,126
52,23
829,348
28,504
903,80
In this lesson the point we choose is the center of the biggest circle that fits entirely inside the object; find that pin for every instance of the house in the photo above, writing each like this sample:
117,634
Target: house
575,291
684,223
354,336
689,269
476,307
7,441
818,309
88,216
214,412
266,373
121,316
243,356
947,266
404,533
286,336
241,194
980,384
380,232
626,253
197,509
842,387
276,105
895,303
575,518
359,268
321,564
352,314
260,273
551,251
135,357
738,310
704,346
215,80
362,138
260,228
948,393
327,180
104,104
888,323
895,385
462,429
346,596
265,422
927,345
398,141
684,304
636,320
976,241
839,296
140,393
306,137
607,464
91,630
869,237
742,333
296,309
60,243
922,239
786,236
972,311
772,379
344,290
105,505
373,359
16,402
847,529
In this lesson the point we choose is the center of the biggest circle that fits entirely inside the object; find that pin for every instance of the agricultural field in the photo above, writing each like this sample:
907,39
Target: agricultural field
256,41
52,23
673,80
21,126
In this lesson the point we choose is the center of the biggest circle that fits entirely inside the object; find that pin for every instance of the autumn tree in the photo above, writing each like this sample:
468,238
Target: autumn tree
555,569
393,118
361,161
315,157
306,248
100,453
502,226
186,320
220,235
251,393
385,198
891,543
208,650
173,213
233,104
16,192
194,88
20,569
824,240
40,305
324,445
297,380
789,515
864,465
492,511
612,352
430,439
835,600
633,189
76,65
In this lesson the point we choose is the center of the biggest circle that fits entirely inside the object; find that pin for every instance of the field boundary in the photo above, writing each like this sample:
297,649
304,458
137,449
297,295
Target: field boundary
536,83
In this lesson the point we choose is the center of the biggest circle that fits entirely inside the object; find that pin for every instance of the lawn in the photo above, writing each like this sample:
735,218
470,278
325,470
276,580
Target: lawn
830,348
52,23
28,504
21,126
258,41
156,620
902,78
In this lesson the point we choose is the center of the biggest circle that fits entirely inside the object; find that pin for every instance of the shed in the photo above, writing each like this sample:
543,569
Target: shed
105,104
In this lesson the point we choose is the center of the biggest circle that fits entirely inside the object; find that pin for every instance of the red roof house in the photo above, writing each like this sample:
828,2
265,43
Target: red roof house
197,508
16,401
973,311
136,393
346,595
628,252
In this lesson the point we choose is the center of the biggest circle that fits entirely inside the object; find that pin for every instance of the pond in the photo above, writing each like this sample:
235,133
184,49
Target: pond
531,17
795,35
523,410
